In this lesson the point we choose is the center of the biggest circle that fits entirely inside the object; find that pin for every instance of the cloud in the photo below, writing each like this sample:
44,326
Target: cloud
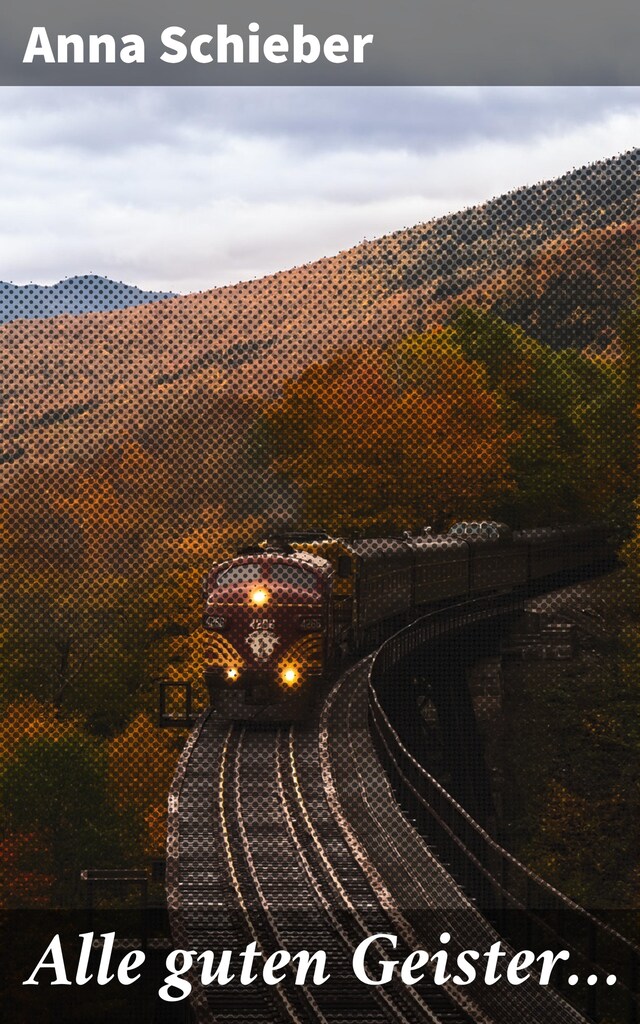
184,189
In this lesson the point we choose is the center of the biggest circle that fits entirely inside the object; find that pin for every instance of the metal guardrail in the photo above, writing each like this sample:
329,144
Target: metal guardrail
505,889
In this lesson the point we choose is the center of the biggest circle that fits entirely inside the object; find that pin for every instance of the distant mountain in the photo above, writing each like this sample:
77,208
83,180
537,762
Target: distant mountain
88,293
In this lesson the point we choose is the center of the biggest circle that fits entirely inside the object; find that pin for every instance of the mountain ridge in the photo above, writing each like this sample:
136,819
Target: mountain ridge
81,293
560,259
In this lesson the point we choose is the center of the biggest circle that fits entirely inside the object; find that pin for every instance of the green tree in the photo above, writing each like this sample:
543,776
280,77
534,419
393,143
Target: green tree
56,787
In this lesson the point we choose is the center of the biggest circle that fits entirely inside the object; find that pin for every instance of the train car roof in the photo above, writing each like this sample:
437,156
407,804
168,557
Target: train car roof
296,537
540,534
317,562
376,547
546,534
480,529
436,542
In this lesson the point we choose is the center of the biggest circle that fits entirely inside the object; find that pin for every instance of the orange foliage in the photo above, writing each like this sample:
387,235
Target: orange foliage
156,822
142,761
368,453
30,717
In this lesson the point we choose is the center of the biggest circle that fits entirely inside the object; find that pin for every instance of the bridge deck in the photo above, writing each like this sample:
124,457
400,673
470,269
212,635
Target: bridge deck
293,838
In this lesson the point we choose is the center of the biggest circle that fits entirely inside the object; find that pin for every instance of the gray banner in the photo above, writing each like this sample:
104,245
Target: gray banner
445,42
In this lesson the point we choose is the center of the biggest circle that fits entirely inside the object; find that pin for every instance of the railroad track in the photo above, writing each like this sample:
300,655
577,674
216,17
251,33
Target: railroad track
297,886
294,839
270,851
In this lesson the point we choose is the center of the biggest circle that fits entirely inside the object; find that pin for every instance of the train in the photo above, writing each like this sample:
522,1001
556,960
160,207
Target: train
283,616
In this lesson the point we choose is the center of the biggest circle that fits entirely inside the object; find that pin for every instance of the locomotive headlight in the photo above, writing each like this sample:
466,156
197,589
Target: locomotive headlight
259,597
289,675
232,674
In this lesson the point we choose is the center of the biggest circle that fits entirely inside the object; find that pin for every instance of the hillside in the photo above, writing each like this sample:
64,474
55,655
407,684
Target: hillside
560,258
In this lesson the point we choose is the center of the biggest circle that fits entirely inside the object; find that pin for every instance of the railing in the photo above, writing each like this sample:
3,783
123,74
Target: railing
525,908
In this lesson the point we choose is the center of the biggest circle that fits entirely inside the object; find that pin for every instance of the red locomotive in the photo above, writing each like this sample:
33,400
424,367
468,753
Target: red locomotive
269,616
281,618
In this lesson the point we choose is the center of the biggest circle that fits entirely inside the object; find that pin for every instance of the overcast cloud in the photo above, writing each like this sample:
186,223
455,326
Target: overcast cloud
184,189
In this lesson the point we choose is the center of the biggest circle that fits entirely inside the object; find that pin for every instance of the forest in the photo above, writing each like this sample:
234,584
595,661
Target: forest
105,553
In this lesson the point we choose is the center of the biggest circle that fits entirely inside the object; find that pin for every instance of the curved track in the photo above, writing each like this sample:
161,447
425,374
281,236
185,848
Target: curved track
284,878
298,886
293,839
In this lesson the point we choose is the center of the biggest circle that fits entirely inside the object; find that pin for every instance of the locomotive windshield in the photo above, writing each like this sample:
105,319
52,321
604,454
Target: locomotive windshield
289,574
293,576
248,572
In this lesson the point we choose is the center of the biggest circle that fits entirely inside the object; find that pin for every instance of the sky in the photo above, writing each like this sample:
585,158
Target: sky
184,189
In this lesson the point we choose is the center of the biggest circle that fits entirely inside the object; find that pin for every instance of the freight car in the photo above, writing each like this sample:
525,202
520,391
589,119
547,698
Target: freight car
282,616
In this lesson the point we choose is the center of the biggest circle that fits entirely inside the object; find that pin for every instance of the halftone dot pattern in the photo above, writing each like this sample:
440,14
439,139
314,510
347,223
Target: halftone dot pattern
86,294
481,367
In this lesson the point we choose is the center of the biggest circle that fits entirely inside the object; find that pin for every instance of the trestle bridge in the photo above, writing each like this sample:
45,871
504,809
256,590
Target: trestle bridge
317,836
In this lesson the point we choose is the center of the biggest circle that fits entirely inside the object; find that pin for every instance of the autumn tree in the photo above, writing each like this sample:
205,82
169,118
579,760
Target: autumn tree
568,426
368,454
80,644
